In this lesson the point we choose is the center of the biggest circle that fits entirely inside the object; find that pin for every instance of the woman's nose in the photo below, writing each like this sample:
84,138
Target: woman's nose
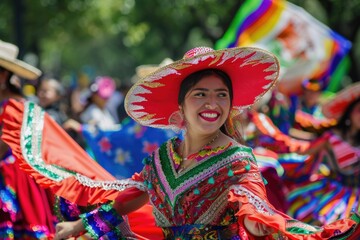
211,103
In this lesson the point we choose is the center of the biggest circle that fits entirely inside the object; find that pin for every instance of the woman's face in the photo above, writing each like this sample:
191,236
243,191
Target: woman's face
311,98
355,116
207,105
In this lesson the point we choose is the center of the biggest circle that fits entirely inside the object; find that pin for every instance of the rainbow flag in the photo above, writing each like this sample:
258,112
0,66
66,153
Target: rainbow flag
305,47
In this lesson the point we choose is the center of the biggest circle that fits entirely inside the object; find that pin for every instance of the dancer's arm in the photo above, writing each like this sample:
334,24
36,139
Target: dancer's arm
128,201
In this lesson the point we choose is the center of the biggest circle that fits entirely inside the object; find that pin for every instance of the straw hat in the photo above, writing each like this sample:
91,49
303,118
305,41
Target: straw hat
9,61
144,70
152,101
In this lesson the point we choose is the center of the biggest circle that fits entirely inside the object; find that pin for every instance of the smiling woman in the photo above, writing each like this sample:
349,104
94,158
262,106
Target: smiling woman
208,185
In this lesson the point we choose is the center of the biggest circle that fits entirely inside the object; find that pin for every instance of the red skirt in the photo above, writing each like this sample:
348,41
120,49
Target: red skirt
31,216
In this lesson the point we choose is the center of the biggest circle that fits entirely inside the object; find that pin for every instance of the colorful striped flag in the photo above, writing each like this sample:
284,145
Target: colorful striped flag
305,47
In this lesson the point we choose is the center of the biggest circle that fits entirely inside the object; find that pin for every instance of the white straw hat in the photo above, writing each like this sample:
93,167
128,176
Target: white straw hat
9,61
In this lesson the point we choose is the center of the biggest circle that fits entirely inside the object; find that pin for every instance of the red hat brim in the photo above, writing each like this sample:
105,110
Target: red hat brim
153,99
335,107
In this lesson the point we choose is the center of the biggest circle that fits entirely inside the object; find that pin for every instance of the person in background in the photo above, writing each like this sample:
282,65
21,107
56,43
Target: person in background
95,112
96,98
306,106
309,100
19,193
50,93
115,100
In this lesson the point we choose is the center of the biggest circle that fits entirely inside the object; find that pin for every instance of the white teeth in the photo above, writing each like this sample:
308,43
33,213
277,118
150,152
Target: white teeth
209,115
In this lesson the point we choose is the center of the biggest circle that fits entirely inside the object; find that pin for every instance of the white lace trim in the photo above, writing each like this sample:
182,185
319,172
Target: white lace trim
118,185
259,204
160,219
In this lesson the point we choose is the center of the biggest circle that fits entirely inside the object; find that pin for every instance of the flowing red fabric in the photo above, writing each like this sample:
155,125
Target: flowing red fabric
59,149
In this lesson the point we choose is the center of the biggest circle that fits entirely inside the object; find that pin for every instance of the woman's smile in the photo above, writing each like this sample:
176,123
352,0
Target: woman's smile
210,116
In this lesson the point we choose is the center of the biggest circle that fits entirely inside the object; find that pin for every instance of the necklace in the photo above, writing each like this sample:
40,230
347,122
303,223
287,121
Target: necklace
201,149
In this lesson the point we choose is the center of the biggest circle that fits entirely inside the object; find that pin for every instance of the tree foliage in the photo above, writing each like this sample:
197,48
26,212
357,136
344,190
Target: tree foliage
112,37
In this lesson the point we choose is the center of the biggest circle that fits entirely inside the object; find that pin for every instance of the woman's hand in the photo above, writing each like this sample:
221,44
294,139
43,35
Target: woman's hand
64,230
72,124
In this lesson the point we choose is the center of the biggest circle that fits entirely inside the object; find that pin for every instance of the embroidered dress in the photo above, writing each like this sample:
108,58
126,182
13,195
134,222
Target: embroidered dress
210,200
207,201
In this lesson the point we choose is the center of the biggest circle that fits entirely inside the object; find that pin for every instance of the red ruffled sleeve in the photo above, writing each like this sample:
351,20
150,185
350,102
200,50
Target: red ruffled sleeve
251,196
44,150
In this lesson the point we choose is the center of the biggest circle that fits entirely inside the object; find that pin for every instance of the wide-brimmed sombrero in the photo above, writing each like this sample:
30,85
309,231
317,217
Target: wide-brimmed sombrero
152,101
9,61
335,107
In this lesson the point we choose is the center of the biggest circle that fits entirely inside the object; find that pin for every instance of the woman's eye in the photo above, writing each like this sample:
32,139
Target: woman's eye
224,94
199,94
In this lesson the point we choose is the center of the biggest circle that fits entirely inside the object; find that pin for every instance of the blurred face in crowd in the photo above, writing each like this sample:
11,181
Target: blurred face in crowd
48,93
311,98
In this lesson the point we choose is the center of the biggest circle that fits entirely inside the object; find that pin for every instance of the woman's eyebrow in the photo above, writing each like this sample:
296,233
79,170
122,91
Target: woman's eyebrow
206,89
